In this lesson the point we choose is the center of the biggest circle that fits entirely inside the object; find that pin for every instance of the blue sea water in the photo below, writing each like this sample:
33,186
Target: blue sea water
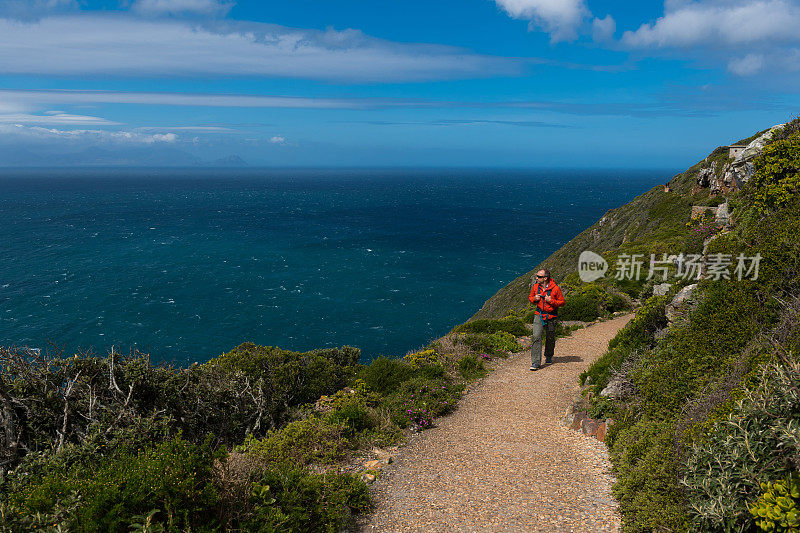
187,264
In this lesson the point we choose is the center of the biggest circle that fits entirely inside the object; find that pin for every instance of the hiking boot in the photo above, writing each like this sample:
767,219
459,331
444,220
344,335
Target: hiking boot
534,368
548,361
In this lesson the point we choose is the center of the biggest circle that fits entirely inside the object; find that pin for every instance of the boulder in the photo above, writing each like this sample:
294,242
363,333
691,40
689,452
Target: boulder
661,289
577,421
756,146
723,216
674,309
601,432
618,388
589,427
741,169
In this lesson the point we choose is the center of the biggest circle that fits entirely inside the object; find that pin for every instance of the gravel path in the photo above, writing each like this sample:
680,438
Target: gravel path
503,461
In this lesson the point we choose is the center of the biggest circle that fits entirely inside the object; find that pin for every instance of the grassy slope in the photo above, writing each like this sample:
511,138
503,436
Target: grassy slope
653,217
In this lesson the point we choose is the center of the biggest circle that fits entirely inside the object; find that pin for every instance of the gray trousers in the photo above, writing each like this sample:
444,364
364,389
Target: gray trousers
549,333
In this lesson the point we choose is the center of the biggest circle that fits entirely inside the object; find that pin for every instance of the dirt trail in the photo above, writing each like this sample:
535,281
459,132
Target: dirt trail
503,461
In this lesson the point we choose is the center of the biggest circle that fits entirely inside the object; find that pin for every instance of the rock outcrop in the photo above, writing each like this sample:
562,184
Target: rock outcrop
723,178
680,303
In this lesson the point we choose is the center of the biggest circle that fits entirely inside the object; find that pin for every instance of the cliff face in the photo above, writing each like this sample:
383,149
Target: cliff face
726,174
658,216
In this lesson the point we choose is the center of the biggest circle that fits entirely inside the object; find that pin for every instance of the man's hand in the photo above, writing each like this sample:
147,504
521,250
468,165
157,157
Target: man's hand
548,299
537,298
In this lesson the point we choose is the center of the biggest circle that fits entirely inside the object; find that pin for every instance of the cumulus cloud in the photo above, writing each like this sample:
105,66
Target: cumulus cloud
603,28
719,23
560,18
118,44
749,36
181,7
277,139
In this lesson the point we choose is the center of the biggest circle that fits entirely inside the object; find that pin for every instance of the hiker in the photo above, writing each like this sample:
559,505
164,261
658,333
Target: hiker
547,297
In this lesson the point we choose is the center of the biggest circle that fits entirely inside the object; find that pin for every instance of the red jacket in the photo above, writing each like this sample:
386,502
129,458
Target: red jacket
547,310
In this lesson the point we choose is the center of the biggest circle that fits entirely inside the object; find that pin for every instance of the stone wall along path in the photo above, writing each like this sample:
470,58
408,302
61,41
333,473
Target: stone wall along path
503,461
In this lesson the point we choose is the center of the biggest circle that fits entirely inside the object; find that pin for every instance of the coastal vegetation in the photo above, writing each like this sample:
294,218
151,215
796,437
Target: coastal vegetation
257,439
704,395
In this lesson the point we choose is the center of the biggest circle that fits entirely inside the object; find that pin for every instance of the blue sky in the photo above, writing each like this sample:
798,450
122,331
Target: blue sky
491,83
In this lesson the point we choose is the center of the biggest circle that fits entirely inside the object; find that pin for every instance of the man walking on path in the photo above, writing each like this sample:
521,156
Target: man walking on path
547,297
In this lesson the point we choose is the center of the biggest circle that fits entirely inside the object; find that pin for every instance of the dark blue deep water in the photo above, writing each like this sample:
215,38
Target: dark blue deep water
188,264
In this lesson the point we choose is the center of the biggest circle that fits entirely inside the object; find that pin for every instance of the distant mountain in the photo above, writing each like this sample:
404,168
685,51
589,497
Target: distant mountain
144,156
229,161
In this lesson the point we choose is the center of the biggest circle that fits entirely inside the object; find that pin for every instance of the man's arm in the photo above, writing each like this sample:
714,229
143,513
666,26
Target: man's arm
532,296
556,297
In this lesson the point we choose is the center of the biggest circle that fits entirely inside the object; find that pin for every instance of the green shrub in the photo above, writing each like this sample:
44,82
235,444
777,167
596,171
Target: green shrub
757,442
291,378
353,417
303,442
510,324
697,354
639,331
174,477
586,302
421,400
580,307
471,367
290,499
778,507
426,362
385,375
636,336
618,303
647,486
499,343
777,174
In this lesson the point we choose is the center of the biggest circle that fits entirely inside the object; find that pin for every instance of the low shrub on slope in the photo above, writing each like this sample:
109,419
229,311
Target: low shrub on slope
707,433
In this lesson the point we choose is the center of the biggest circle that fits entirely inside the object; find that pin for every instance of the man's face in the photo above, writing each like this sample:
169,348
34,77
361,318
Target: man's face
541,278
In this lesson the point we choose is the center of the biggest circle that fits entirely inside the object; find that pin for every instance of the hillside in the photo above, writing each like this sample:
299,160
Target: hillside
703,385
653,222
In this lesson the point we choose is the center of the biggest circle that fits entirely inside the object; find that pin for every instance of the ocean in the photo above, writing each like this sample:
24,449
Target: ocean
187,264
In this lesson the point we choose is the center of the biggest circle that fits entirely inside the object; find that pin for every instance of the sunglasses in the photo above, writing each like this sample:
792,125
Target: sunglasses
541,276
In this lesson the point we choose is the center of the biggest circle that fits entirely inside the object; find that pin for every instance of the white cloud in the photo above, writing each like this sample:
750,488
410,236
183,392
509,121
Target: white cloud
19,132
114,44
747,65
179,7
560,18
13,99
54,118
720,23
747,36
603,29
277,139
18,111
